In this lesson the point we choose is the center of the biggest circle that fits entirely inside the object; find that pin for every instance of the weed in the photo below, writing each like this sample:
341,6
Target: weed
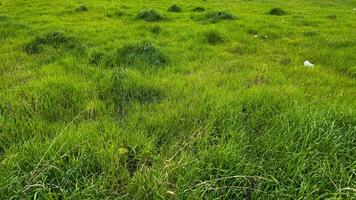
213,37
277,11
150,16
174,8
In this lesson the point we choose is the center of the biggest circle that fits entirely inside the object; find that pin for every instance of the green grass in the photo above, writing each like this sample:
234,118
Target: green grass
126,100
277,11
150,16
174,8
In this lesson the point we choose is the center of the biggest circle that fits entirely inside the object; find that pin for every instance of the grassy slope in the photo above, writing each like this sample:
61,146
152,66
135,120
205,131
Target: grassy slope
238,119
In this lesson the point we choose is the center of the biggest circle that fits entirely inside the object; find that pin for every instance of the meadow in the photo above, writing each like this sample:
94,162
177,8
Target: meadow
208,99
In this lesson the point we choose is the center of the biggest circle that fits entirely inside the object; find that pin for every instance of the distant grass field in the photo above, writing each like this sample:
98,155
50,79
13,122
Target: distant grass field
177,99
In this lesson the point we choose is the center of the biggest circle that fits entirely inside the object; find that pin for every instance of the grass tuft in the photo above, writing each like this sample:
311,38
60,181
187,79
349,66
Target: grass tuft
53,39
140,55
150,16
277,11
82,8
216,16
198,9
156,30
213,37
174,8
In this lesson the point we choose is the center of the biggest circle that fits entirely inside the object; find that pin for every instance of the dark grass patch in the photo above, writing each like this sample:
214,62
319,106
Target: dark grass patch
277,11
2,151
174,8
117,13
310,33
96,58
332,17
53,39
216,16
139,54
82,8
309,23
198,9
259,79
252,32
213,37
125,7
243,49
4,18
286,61
132,161
155,30
135,158
150,16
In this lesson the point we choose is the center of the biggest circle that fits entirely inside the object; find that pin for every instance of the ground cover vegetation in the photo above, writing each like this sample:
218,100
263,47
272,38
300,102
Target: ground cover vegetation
177,100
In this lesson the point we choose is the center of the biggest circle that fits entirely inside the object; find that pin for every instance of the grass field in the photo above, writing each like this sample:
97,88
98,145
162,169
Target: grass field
210,99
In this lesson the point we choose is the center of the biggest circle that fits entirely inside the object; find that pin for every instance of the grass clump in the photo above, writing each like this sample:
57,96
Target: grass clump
216,16
213,37
198,9
124,88
150,16
155,30
138,54
277,11
174,8
54,39
82,8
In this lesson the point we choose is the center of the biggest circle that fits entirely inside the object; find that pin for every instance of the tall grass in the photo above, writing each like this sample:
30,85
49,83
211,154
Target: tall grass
127,100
